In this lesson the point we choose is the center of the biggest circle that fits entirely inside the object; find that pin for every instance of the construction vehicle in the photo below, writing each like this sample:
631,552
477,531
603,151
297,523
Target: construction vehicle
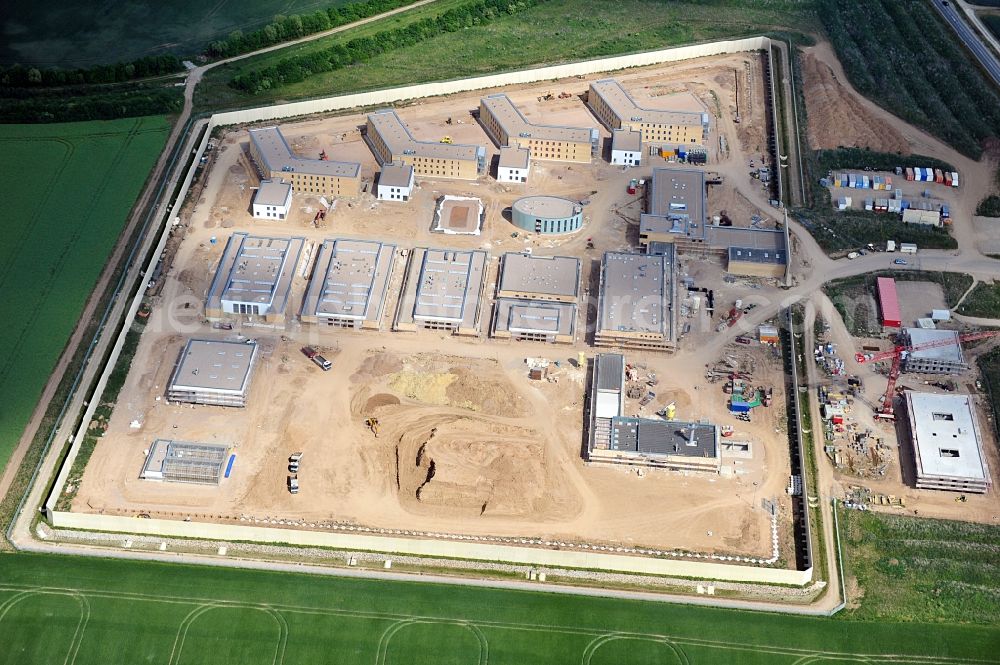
293,484
565,95
309,352
293,462
650,396
632,185
322,362
447,139
372,424
323,156
899,352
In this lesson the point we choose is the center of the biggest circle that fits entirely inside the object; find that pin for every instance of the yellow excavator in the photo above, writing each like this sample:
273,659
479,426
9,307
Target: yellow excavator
372,424
447,139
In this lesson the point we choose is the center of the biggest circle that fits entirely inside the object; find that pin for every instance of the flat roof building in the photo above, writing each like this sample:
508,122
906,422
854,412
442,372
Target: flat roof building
618,439
349,283
547,214
947,445
537,298
635,302
514,165
508,127
888,302
274,159
442,290
676,202
626,147
254,277
616,109
392,143
753,262
273,200
183,462
213,372
395,182
946,359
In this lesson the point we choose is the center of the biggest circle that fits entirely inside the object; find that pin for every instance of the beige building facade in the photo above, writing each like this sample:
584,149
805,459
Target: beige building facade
275,160
616,109
508,128
392,143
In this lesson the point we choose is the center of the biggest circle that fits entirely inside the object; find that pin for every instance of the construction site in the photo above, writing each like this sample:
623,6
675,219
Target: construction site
415,368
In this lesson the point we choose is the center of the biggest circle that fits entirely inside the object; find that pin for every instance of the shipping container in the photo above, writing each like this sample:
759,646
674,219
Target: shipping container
888,302
888,182
947,178
938,176
909,173
867,182
869,204
954,178
908,248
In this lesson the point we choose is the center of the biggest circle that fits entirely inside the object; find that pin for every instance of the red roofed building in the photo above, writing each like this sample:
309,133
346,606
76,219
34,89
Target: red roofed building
889,302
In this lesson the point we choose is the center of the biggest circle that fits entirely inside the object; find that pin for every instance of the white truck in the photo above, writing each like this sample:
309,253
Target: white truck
890,245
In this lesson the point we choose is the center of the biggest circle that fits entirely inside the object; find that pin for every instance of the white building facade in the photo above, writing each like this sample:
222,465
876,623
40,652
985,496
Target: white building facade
273,200
395,183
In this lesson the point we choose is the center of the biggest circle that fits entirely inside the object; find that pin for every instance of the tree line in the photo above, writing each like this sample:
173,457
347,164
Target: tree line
87,103
19,76
297,68
285,28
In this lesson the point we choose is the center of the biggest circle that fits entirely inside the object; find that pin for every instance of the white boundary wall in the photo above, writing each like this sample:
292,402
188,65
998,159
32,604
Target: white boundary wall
425,547
434,548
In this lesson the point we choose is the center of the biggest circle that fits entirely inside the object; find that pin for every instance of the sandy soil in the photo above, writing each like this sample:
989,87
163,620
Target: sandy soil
836,118
467,443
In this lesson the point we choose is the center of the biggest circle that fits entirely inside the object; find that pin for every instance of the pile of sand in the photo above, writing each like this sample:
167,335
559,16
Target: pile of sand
424,387
837,118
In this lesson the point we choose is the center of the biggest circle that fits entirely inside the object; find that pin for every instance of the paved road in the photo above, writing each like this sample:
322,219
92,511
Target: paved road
969,38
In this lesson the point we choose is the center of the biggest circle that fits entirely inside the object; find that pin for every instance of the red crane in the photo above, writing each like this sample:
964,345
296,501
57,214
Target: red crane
897,353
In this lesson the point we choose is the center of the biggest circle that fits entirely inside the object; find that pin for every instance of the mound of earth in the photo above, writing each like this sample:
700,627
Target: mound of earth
474,467
837,118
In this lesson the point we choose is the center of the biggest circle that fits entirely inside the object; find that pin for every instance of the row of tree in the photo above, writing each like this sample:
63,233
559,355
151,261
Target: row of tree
21,105
18,76
297,68
285,28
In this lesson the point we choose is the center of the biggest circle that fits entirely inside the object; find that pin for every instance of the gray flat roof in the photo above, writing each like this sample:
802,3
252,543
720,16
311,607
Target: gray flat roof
516,125
746,238
448,285
547,207
946,436
514,158
676,204
534,316
636,293
627,110
948,353
751,255
627,140
395,175
610,371
648,436
256,270
278,156
350,280
272,193
548,275
400,141
214,366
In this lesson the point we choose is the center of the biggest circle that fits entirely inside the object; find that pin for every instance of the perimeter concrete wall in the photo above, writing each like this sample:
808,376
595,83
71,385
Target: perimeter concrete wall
427,547
434,548
383,97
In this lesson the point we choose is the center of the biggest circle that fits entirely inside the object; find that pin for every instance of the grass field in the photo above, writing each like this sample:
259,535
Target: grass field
913,569
76,184
81,34
984,301
556,31
81,611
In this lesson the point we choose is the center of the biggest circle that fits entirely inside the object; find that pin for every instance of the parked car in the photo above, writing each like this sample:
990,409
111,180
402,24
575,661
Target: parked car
900,262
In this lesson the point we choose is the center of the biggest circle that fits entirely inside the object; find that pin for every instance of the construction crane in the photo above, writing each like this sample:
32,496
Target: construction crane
898,353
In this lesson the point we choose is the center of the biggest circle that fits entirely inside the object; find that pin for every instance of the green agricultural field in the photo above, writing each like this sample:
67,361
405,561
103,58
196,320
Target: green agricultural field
555,31
911,569
83,611
65,209
81,34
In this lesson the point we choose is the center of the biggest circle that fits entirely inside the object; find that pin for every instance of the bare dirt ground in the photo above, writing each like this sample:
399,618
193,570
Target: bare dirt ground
467,443
837,118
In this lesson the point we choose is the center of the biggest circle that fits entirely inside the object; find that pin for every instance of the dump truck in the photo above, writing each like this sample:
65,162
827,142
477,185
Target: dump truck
322,362
293,462
293,484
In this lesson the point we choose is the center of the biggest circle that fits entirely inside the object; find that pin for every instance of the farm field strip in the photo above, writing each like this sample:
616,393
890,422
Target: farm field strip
300,618
76,184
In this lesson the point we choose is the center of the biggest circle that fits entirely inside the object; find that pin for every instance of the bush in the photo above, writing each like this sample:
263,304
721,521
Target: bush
860,158
989,207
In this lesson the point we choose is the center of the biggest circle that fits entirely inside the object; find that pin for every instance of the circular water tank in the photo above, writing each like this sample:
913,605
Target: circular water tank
547,214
